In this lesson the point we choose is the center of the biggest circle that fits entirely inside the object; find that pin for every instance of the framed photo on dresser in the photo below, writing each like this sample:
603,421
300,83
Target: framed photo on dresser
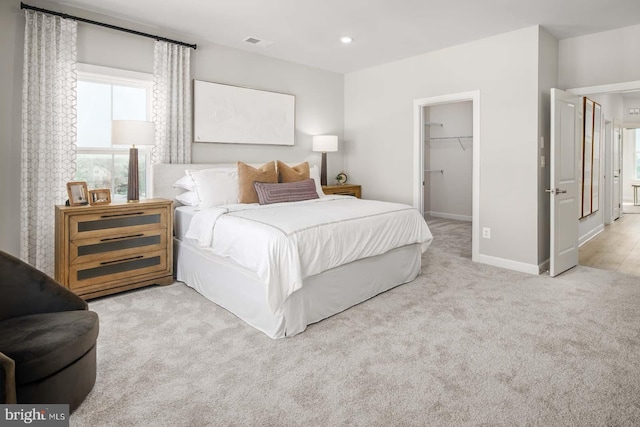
100,197
78,193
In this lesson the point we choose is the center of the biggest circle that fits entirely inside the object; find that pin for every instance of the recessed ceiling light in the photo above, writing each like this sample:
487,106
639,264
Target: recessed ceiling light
346,39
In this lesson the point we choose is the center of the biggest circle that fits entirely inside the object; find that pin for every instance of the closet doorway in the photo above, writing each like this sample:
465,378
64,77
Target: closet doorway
448,160
446,172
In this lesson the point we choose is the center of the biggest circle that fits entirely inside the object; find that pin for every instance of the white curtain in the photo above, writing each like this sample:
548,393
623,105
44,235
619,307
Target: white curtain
172,103
48,131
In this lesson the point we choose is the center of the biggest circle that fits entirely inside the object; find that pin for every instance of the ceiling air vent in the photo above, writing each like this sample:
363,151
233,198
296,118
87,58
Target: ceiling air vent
257,42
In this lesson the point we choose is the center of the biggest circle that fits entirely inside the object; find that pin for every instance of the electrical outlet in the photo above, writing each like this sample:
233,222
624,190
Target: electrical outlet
542,161
486,232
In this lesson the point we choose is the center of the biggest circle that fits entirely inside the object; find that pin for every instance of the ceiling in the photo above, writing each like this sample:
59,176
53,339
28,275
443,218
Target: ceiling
308,31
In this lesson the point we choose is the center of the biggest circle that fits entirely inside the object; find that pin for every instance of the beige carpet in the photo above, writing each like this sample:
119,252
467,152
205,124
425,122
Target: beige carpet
464,344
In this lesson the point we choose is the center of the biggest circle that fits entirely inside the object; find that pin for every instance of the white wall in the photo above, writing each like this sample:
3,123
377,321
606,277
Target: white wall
319,96
612,105
11,42
319,105
379,132
450,193
601,58
547,79
630,102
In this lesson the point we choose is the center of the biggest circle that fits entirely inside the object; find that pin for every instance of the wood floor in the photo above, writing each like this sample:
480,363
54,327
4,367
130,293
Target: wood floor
617,248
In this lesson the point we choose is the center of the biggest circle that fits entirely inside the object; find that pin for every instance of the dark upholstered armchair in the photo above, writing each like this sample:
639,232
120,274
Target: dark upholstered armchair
47,338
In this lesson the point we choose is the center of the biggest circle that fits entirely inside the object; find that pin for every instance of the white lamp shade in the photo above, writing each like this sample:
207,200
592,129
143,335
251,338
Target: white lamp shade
132,132
325,143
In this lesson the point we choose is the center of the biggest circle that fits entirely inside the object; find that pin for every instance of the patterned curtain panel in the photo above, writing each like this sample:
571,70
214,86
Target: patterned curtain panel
172,103
48,131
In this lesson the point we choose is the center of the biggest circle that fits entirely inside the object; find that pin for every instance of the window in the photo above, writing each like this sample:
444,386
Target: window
637,154
106,94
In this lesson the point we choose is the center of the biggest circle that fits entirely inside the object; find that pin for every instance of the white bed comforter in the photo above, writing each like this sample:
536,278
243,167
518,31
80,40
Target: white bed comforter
287,242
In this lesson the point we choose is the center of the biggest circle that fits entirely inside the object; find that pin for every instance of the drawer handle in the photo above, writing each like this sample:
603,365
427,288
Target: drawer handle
121,260
123,214
108,239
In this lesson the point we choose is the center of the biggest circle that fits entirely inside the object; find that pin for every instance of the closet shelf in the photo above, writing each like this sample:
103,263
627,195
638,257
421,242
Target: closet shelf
459,138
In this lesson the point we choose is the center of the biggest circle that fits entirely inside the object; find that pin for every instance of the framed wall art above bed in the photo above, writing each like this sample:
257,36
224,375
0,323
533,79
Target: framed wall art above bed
237,115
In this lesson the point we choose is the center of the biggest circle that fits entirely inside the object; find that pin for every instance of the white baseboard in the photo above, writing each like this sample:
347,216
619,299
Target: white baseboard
456,217
509,264
590,235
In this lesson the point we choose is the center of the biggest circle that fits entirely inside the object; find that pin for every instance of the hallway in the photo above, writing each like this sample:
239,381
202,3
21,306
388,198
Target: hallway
617,248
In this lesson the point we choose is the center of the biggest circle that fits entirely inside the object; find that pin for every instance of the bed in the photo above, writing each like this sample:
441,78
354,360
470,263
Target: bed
284,266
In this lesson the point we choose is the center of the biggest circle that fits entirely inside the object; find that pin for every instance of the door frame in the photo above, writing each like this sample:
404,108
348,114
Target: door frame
418,157
608,170
608,88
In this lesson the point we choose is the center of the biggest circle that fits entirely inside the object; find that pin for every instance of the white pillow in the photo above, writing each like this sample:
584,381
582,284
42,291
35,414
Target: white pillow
314,173
185,182
188,198
215,187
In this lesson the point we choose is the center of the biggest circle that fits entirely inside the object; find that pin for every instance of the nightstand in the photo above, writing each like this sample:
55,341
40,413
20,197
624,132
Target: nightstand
104,249
345,189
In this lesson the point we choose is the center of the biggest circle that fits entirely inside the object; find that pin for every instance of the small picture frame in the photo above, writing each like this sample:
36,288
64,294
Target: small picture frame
78,193
100,197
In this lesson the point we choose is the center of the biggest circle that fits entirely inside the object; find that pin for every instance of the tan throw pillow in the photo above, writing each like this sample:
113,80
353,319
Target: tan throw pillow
247,175
293,174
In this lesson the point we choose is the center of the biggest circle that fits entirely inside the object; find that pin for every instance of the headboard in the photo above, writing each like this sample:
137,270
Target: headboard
164,175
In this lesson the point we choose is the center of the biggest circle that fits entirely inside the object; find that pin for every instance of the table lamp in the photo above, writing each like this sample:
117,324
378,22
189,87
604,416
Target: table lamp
132,133
324,144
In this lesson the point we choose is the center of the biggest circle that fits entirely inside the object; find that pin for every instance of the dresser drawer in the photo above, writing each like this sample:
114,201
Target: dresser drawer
105,270
123,222
116,246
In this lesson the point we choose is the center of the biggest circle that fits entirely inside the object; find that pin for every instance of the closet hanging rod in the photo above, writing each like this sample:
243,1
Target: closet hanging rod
102,24
435,170
459,138
449,137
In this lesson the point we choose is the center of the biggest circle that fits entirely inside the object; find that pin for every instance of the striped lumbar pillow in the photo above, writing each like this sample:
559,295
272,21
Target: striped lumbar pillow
285,192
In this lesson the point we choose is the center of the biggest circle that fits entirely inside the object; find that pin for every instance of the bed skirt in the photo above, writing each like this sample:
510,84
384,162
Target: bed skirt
239,291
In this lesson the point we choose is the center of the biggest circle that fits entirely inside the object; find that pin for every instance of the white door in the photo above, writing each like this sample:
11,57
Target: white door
566,120
617,173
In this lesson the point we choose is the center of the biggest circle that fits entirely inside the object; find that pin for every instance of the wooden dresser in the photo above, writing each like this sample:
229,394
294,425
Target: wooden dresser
101,250
344,189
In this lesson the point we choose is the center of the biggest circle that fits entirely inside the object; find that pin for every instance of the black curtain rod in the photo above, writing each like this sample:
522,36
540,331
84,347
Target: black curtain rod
101,24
